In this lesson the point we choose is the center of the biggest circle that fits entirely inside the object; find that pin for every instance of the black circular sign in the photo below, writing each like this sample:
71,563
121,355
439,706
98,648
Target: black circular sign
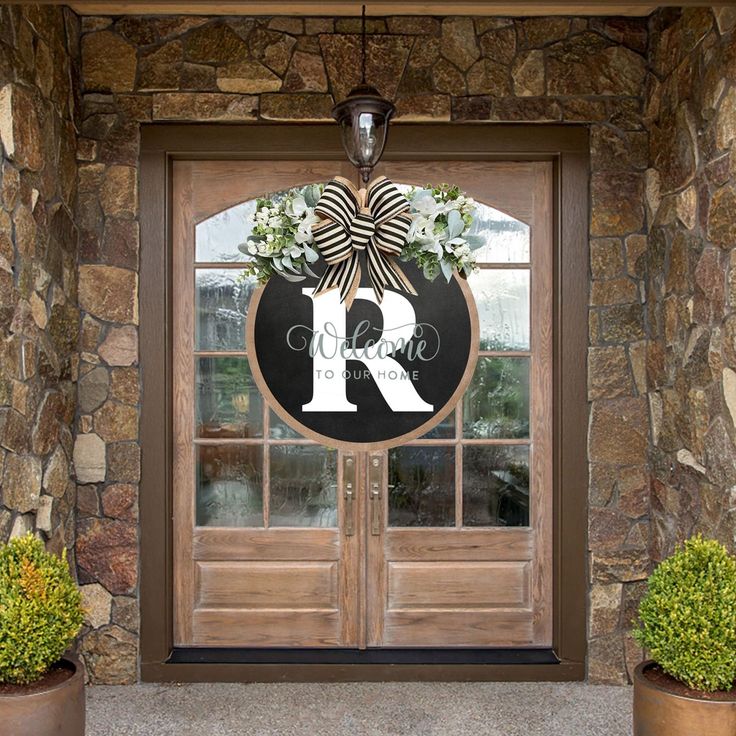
370,377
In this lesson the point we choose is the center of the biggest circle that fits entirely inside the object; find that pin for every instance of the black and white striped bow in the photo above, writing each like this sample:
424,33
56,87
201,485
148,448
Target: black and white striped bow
374,220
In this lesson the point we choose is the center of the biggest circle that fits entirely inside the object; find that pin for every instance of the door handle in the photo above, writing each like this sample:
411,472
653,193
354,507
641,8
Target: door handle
348,472
374,494
375,510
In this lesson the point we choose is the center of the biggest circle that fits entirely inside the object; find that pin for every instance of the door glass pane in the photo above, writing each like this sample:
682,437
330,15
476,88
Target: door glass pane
220,306
303,486
444,430
502,298
218,237
228,402
495,485
505,239
229,485
496,404
280,430
421,486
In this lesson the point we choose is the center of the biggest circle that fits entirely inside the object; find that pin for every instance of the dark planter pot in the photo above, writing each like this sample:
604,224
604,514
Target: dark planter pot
58,711
659,712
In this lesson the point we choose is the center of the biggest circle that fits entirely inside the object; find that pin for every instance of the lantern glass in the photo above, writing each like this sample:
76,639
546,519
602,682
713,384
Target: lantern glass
363,118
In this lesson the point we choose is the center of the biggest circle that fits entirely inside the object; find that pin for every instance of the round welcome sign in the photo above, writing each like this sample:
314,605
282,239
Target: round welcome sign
369,377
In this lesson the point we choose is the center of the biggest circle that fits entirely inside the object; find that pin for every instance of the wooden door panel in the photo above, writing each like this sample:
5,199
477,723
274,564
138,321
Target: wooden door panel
476,586
225,627
479,585
381,585
459,629
457,545
293,585
265,544
255,586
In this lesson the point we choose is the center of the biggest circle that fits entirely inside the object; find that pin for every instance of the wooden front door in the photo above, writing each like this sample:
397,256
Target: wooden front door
443,542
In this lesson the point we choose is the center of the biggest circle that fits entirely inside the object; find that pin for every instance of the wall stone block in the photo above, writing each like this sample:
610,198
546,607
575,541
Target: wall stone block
21,482
619,432
107,551
110,655
89,458
204,107
108,62
109,293
20,131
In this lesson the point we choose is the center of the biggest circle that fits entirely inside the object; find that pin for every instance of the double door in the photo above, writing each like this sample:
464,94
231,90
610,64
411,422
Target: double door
445,541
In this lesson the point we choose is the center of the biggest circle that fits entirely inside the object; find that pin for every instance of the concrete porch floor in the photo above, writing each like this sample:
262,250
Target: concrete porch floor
358,709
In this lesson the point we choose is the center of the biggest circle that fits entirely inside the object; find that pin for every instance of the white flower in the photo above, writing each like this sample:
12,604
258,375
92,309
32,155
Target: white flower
294,252
295,206
304,231
274,222
269,237
424,202
252,248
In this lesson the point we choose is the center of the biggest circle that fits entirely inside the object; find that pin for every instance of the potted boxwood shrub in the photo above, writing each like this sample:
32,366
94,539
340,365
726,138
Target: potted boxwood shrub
688,625
41,691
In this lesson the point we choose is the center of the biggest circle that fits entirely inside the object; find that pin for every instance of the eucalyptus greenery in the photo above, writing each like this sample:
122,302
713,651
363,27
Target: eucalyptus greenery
688,615
438,240
40,610
281,239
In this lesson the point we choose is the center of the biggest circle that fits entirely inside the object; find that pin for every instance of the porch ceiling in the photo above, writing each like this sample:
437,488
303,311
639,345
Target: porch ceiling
377,7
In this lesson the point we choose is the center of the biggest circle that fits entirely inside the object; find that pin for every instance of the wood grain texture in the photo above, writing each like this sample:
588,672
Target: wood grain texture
459,628
379,586
475,585
380,7
511,196
277,585
427,586
217,543
568,147
542,389
235,627
183,401
458,544
306,578
222,184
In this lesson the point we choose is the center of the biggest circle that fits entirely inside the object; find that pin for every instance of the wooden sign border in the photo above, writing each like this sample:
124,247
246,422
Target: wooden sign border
437,417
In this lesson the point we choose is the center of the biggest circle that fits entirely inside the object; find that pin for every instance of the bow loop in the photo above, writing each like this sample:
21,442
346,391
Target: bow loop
380,228
362,229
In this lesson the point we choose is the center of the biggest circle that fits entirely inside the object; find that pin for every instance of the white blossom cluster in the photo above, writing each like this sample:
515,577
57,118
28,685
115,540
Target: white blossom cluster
281,238
438,239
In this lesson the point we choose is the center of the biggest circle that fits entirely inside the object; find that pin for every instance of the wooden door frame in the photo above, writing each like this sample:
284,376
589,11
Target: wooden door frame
567,146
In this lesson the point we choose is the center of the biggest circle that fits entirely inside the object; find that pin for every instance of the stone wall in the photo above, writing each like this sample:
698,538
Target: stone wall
577,70
39,317
691,291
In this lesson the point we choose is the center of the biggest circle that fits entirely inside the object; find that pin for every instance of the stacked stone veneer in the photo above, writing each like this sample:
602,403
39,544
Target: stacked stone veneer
39,317
691,200
138,70
658,328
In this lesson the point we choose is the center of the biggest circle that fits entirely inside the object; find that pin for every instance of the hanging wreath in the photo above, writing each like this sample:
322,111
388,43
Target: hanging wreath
347,226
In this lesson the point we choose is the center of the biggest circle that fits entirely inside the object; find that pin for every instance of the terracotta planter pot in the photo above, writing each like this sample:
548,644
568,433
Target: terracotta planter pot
57,711
659,712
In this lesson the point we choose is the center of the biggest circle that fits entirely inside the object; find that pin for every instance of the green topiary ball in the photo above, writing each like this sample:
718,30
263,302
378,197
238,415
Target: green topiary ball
40,610
688,615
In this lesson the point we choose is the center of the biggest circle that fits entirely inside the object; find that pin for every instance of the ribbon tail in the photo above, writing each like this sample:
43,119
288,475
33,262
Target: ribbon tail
344,276
383,271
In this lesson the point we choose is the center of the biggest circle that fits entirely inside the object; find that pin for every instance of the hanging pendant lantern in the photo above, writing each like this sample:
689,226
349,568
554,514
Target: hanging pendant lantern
363,118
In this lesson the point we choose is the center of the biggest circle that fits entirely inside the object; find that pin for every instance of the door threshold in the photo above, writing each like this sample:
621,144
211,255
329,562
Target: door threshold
229,655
